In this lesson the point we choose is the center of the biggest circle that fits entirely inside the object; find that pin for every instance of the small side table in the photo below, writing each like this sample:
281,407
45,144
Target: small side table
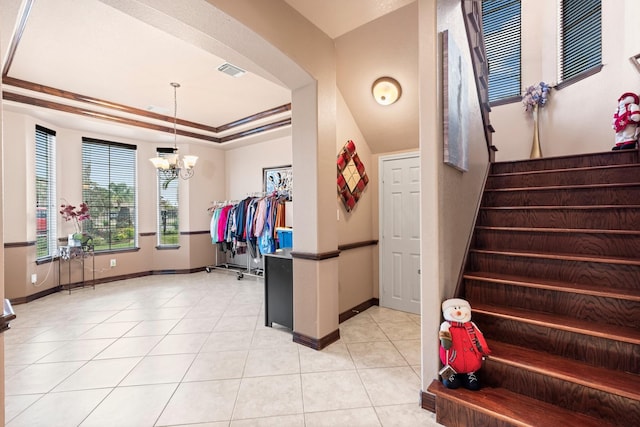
79,254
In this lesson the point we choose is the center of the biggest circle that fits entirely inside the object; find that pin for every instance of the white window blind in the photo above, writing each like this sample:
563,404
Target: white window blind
109,188
581,36
502,39
168,208
46,208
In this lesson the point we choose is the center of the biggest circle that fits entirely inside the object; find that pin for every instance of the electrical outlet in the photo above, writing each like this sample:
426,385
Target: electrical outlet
112,262
34,278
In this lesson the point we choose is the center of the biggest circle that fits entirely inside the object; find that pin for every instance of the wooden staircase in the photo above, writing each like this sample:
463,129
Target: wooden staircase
553,278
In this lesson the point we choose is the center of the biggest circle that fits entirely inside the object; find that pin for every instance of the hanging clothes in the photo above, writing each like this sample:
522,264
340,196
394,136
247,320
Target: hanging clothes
249,224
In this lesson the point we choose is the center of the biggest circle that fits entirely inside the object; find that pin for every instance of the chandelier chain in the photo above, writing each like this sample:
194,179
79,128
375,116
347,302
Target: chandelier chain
172,167
175,114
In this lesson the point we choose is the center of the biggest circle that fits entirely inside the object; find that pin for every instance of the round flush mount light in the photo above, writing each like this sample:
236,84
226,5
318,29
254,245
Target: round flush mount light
386,90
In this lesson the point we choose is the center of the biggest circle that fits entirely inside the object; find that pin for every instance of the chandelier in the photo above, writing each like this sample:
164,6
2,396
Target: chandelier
172,166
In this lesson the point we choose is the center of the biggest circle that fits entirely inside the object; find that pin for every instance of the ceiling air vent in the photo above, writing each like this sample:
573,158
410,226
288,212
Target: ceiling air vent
231,70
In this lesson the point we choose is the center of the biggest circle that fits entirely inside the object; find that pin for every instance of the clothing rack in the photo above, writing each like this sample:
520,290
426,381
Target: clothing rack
240,270
250,248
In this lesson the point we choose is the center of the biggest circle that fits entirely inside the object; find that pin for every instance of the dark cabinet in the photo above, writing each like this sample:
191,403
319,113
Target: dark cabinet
278,289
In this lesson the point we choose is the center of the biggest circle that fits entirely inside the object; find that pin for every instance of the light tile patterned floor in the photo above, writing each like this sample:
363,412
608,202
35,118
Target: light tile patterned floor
193,350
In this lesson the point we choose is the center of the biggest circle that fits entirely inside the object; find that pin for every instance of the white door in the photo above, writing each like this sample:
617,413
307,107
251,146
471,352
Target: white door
400,233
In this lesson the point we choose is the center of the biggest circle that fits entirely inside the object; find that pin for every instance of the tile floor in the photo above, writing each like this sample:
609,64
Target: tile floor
193,350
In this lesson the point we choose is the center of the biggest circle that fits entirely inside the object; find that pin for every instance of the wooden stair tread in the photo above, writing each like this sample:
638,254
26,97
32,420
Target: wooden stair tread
615,382
554,321
558,207
512,407
568,170
564,187
560,256
558,230
552,285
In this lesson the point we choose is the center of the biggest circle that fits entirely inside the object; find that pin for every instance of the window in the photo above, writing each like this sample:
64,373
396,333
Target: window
501,28
46,208
581,37
109,188
168,227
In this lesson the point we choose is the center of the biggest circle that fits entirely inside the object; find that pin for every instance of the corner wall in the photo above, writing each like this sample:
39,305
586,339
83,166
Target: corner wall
357,276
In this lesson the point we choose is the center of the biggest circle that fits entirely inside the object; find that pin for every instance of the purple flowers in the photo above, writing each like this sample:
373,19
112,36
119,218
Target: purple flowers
536,96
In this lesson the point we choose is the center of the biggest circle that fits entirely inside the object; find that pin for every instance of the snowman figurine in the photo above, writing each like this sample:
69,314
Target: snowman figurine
625,121
462,346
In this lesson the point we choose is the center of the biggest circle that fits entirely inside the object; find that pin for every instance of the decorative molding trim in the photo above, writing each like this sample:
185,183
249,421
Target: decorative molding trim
316,344
262,115
428,401
259,129
65,287
179,271
358,309
37,295
191,233
23,99
347,246
19,244
29,100
315,257
96,102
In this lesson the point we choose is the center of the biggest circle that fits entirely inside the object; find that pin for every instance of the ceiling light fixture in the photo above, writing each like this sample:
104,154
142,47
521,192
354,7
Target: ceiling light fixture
386,90
172,166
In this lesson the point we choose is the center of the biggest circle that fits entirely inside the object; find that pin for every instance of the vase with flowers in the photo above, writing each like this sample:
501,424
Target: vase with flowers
77,215
536,97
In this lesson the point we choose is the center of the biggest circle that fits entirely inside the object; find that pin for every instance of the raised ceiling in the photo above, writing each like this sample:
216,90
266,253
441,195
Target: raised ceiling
89,66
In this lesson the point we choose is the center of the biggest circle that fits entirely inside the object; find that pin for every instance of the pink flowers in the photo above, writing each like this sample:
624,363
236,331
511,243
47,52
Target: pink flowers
79,214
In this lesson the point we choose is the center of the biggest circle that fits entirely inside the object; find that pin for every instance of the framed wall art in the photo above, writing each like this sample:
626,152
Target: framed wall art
455,99
352,178
278,179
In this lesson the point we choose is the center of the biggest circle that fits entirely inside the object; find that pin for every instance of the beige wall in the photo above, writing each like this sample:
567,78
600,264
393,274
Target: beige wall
196,194
244,174
577,118
244,166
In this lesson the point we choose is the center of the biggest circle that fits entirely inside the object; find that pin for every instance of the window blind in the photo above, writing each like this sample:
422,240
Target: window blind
109,188
168,207
581,36
502,39
46,208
